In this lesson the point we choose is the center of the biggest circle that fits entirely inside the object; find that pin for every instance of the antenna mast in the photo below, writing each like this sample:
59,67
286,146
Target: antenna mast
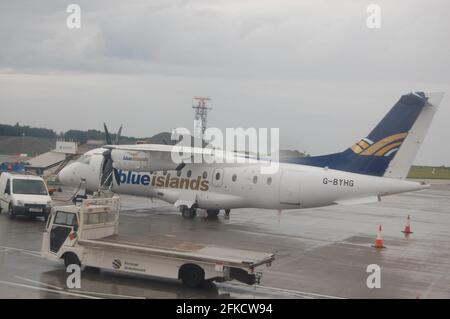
201,106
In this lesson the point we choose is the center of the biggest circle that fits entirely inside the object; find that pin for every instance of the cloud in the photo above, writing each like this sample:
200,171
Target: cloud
304,66
298,39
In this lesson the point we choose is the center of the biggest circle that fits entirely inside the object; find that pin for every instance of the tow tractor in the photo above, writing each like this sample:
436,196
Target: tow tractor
88,235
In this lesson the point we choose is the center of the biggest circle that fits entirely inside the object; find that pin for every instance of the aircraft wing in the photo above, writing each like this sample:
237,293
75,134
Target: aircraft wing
155,157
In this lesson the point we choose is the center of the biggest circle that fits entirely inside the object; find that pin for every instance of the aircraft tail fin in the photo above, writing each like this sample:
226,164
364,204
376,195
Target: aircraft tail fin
389,150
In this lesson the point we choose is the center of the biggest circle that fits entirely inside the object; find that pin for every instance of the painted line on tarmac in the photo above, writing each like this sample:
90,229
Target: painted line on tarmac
287,291
77,291
37,282
106,294
38,255
20,249
23,251
10,283
302,292
258,292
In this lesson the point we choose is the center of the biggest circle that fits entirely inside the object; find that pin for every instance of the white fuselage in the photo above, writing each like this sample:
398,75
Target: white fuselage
212,186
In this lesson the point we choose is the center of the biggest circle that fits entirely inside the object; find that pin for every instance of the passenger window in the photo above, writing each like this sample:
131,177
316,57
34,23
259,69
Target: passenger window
269,180
205,174
234,177
255,179
179,173
189,173
217,176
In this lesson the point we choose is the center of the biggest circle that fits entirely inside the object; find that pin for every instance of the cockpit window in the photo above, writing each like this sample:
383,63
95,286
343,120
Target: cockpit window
85,159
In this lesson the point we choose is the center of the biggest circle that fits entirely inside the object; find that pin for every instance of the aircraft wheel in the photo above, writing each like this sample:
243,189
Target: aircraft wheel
212,213
188,213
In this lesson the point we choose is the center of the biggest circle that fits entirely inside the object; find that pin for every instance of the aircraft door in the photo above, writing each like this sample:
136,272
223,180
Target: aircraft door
217,178
290,188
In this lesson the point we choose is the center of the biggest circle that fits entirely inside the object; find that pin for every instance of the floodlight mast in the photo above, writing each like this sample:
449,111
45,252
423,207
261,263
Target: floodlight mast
201,106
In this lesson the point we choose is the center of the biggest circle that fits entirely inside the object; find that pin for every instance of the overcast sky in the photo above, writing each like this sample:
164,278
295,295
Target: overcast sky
310,67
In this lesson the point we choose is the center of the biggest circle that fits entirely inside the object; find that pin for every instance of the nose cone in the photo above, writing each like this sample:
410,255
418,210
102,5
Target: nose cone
65,176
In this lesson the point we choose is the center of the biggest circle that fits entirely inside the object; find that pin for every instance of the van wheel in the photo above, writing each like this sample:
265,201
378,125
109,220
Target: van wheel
12,214
192,275
188,213
71,259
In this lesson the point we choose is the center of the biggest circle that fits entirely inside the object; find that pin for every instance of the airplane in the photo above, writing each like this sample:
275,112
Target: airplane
373,167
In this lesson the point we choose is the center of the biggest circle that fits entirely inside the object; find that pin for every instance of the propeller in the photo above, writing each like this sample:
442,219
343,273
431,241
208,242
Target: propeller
108,138
108,171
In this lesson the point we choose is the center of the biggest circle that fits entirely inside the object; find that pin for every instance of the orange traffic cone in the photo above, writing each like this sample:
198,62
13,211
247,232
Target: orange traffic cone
379,240
407,229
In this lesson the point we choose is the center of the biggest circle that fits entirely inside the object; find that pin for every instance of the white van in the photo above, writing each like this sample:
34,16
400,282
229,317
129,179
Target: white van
24,195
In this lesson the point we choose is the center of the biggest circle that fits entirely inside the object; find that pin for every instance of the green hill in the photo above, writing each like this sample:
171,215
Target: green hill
10,145
429,172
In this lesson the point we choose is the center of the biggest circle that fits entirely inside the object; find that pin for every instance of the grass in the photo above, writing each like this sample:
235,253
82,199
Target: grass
429,172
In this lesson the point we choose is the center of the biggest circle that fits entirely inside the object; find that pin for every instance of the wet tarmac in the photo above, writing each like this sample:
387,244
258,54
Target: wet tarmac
320,253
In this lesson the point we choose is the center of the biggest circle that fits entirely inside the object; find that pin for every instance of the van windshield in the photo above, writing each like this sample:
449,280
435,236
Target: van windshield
29,187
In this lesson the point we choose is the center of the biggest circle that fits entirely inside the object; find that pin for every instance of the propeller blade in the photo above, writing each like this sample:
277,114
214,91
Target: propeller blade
107,169
107,136
116,176
119,132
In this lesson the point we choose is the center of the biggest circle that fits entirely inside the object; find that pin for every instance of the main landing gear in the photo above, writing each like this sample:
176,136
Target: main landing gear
190,213
212,213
